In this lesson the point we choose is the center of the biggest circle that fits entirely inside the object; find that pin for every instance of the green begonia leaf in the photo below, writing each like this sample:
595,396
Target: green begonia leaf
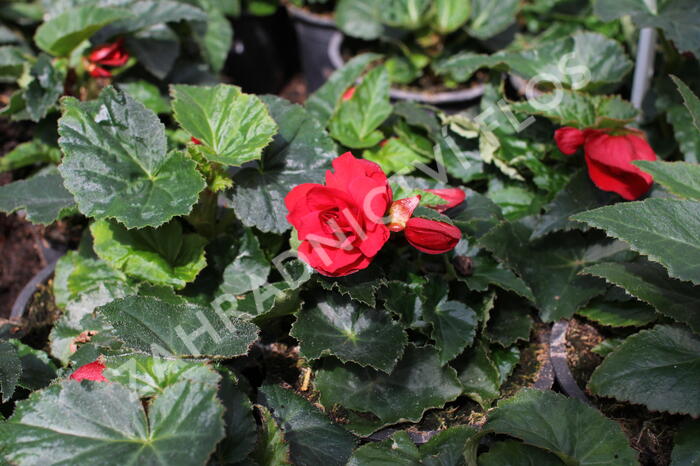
151,325
631,313
359,18
250,268
550,267
351,332
691,101
10,370
417,383
686,445
573,431
44,89
650,283
659,368
163,255
148,94
512,453
679,178
313,438
666,230
323,103
42,196
355,124
490,18
105,423
60,35
233,127
271,448
116,163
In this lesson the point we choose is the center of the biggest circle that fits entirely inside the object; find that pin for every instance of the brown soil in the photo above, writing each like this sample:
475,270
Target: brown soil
295,90
650,433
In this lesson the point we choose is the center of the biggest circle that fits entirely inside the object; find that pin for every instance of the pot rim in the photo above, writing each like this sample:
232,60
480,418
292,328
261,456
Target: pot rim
446,97
308,17
562,372
25,295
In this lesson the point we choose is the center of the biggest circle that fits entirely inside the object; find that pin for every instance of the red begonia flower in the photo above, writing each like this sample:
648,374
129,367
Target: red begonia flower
112,54
347,95
609,158
340,224
195,140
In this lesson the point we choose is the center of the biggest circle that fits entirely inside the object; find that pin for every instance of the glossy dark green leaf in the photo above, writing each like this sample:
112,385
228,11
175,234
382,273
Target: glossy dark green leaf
486,271
659,368
156,48
301,152
323,103
686,445
675,17
265,304
550,268
42,196
351,332
686,133
233,127
38,370
149,376
313,438
250,268
46,87
398,449
359,18
573,431
215,36
509,321
603,58
116,163
482,371
271,449
691,101
146,13
148,94
417,383
666,230
512,453
489,18
479,216
651,284
580,110
453,323
630,313
163,255
11,63
10,370
451,14
462,65
355,124
105,423
63,33
679,178
154,326
579,195
29,153
241,429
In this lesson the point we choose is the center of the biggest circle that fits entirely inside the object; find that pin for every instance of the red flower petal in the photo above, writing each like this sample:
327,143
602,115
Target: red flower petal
569,139
195,140
92,371
609,160
347,95
453,196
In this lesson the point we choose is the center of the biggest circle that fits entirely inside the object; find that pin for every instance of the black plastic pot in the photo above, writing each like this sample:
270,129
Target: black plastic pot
557,354
264,54
314,33
450,101
21,303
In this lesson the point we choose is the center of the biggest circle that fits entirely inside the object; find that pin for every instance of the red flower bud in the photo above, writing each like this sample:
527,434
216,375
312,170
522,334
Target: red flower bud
195,140
98,72
400,211
431,236
92,371
110,54
453,196
347,95
569,139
